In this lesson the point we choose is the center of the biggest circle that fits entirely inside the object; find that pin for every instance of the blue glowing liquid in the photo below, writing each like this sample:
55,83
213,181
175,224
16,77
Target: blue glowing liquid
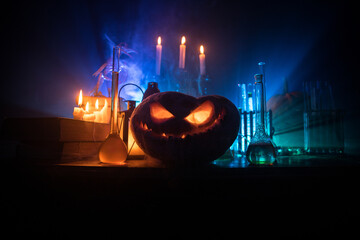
261,153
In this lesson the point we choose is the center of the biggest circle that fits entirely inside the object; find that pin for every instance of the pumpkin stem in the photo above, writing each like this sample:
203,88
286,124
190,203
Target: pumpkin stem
285,89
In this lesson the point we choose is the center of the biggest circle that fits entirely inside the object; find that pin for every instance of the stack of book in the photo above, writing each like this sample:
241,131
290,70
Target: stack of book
51,139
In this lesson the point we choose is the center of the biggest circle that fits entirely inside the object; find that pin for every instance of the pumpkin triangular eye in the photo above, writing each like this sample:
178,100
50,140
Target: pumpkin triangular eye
201,114
159,114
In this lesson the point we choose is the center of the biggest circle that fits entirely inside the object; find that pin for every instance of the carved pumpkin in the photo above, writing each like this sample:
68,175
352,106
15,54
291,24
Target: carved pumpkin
182,130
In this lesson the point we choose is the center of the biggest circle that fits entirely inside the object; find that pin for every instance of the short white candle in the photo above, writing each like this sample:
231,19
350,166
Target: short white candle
89,117
78,113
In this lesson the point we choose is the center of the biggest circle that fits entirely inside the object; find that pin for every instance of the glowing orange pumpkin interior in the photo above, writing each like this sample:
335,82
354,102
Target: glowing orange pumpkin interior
159,114
201,114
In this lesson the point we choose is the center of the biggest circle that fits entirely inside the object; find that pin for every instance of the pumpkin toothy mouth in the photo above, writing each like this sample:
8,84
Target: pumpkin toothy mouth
201,129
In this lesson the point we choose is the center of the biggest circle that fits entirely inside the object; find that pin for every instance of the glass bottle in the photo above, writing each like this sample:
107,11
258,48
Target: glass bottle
261,149
151,89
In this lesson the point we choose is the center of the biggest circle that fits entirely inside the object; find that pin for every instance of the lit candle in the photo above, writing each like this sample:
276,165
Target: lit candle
106,112
182,53
102,116
97,104
87,107
98,116
158,56
79,111
88,116
202,61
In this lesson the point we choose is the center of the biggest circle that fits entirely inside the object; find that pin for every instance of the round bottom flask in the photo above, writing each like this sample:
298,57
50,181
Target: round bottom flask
113,150
261,149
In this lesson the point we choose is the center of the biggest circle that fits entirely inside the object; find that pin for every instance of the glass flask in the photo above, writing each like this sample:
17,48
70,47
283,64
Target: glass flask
261,149
113,150
262,71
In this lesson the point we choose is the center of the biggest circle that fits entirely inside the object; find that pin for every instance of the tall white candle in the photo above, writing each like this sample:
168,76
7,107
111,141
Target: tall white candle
202,61
182,53
158,56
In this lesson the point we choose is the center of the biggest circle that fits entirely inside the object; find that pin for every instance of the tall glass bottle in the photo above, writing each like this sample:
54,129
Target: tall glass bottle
267,117
261,149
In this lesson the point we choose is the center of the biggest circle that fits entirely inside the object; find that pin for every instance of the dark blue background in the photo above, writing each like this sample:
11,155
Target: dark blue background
51,49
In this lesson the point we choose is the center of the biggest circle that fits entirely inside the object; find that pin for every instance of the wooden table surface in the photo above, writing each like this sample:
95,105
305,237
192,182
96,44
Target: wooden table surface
297,198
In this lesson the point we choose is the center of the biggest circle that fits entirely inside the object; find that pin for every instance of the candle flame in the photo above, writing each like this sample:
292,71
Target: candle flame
97,104
159,40
80,98
201,49
87,107
183,40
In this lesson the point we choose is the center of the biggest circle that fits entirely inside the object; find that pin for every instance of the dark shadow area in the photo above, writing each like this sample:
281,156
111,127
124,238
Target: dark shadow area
300,203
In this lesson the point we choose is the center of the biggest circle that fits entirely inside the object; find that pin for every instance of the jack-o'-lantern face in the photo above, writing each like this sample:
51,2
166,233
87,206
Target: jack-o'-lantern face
174,126
198,117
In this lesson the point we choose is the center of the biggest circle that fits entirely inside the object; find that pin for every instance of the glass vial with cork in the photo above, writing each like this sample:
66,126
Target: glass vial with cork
261,149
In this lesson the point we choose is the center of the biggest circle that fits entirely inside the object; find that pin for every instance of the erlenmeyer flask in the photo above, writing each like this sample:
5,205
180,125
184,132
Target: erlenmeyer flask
114,150
261,149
